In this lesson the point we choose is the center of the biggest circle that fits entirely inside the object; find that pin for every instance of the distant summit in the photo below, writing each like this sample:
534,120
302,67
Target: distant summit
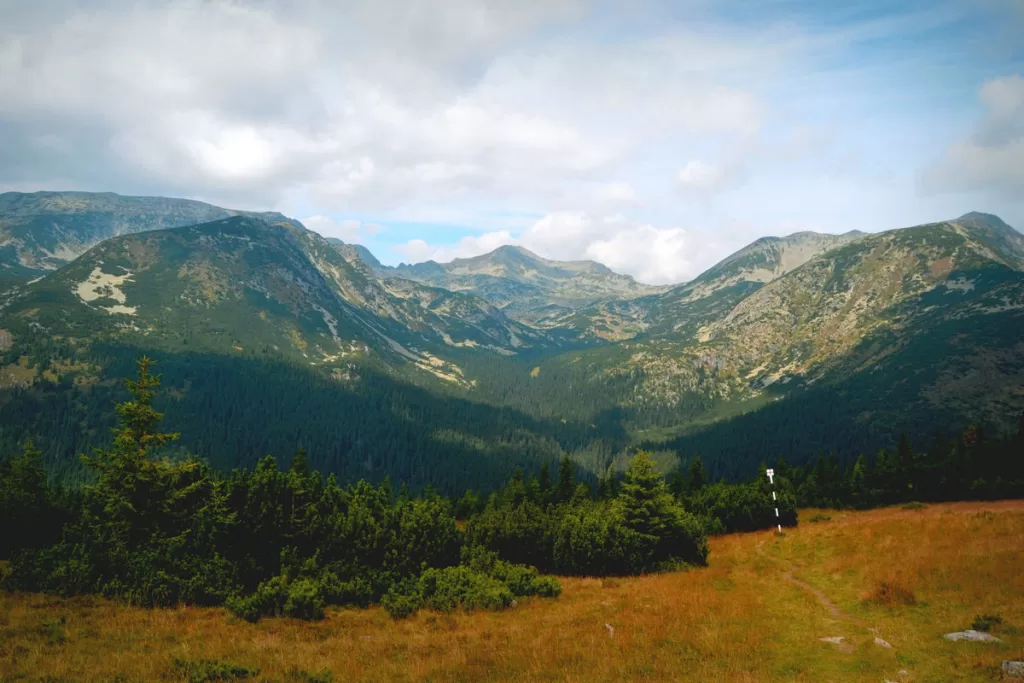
526,285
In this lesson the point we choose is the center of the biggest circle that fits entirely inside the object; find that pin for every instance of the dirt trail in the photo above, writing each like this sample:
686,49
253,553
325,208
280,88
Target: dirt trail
833,610
822,599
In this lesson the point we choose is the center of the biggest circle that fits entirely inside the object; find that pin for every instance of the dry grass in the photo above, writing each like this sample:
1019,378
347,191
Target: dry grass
737,620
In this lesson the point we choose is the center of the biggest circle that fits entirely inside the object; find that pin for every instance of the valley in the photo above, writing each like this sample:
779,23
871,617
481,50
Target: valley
511,359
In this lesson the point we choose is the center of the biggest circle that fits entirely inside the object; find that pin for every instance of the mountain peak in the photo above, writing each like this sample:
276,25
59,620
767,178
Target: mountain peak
991,220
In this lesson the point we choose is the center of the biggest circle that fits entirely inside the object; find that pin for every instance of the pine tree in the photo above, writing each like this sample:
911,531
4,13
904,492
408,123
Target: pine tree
644,496
698,476
544,481
566,481
131,490
857,482
515,492
27,505
905,463
663,530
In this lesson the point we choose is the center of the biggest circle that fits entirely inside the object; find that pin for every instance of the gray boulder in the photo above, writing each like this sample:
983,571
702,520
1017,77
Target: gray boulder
1013,669
972,635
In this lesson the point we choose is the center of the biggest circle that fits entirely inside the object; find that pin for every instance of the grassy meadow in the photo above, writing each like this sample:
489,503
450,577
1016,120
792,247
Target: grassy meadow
758,612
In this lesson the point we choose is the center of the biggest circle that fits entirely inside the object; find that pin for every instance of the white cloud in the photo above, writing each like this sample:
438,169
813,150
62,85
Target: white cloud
700,178
616,193
365,104
417,250
481,112
991,159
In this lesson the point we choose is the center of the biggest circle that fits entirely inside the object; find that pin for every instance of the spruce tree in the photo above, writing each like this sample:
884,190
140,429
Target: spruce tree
566,481
544,481
130,493
644,497
662,530
698,475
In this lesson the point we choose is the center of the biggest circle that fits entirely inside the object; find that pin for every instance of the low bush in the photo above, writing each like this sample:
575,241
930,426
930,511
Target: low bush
211,671
914,505
986,622
892,593
482,581
301,599
297,675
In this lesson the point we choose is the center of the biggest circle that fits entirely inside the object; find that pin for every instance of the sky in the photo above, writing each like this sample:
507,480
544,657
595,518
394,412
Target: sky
653,136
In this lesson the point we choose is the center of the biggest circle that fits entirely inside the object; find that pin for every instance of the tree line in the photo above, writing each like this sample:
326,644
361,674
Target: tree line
265,541
154,527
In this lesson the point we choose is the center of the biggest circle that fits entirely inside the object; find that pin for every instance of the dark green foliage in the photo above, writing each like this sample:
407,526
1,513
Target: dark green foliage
985,622
482,581
446,589
279,597
32,509
297,675
211,671
155,527
265,542
698,475
744,507
970,466
641,528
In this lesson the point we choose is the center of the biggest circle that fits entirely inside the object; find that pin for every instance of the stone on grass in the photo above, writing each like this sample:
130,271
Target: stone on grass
838,641
882,643
1014,669
972,635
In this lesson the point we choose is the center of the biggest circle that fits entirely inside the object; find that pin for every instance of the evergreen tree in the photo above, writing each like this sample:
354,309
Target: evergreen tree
857,482
32,510
663,529
698,476
566,481
544,481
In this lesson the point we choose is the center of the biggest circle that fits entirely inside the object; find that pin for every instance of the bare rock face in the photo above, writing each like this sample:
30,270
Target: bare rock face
973,636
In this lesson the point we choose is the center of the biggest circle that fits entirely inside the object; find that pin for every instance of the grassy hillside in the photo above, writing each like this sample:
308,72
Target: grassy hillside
757,613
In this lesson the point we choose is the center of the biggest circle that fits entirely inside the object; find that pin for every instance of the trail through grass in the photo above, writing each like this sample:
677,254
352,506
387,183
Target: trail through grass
758,612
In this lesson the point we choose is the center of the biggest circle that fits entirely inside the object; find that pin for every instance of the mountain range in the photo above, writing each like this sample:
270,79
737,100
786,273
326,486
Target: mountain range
272,336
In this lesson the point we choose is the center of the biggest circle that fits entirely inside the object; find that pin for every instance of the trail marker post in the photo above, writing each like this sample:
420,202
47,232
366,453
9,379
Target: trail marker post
771,480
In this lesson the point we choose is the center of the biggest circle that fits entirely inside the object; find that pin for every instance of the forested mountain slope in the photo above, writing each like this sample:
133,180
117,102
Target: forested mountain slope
272,337
901,330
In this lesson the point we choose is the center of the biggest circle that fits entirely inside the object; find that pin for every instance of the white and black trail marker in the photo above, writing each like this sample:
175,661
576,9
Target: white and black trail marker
771,480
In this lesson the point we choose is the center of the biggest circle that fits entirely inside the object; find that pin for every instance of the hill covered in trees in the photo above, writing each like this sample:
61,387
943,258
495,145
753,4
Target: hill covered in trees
273,338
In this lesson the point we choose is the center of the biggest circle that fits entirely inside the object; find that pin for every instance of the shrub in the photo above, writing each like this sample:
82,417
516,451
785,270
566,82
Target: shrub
360,591
301,599
819,517
893,592
460,587
742,507
304,601
297,675
548,587
402,600
914,505
210,671
986,622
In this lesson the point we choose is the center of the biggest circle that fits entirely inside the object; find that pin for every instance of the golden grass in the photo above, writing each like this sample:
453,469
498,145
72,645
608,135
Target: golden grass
757,613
